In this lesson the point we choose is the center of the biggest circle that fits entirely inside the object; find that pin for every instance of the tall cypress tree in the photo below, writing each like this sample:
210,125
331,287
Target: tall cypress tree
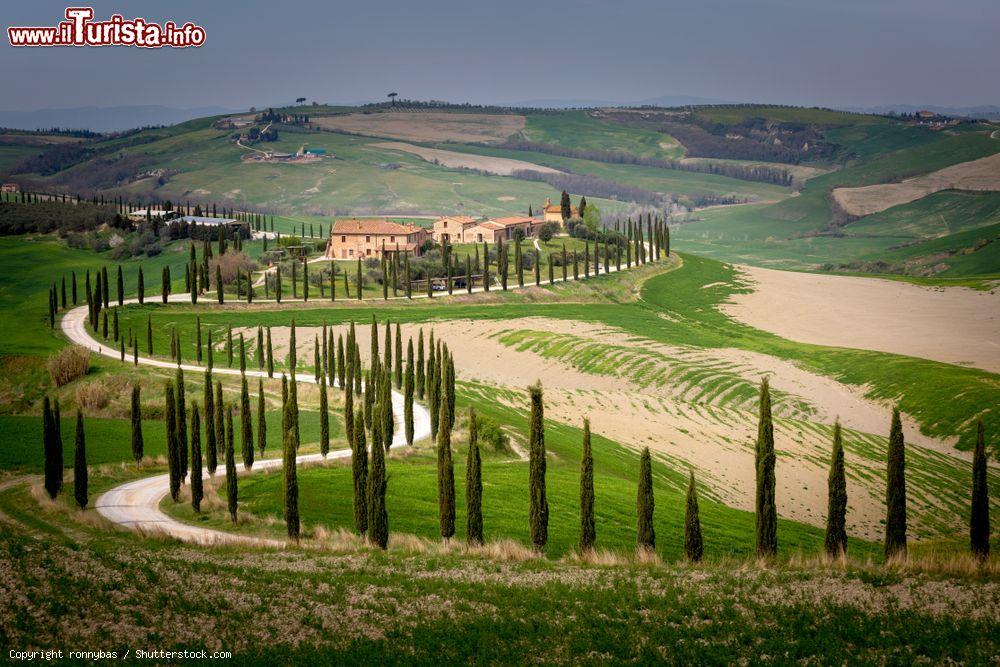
359,471
836,516
259,352
173,456
433,397
120,285
52,450
473,485
136,416
693,547
182,437
645,533
341,367
448,380
766,526
261,417
895,492
445,475
211,453
80,480
408,386
231,488
539,505
197,492
588,529
385,410
979,524
220,425
270,355
378,519
324,419
246,428
420,364
397,365
291,480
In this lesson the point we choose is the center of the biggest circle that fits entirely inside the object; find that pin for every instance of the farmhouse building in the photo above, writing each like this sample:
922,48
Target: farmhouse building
350,239
553,212
451,228
10,188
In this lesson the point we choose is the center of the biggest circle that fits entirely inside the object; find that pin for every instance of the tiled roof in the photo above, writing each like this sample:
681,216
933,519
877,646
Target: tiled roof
513,220
369,226
460,219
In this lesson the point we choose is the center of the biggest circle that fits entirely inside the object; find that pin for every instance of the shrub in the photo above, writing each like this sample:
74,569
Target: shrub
231,263
547,231
93,395
492,435
68,364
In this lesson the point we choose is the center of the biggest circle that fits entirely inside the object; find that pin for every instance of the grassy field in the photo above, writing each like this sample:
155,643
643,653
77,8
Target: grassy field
579,130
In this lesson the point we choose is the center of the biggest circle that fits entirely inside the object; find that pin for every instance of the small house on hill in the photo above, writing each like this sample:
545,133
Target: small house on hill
553,212
451,228
10,188
351,239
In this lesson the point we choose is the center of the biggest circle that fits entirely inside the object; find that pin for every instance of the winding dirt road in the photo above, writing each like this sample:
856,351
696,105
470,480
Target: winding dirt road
136,505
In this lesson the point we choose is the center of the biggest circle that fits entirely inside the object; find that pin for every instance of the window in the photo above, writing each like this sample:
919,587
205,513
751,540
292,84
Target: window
479,238
446,224
343,239
351,251
368,239
392,239
368,251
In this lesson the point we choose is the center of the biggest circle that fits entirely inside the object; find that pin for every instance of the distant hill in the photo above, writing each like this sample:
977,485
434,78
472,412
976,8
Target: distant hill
662,101
104,119
990,111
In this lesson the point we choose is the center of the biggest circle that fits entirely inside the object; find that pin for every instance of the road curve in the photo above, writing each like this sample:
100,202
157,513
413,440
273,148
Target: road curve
136,504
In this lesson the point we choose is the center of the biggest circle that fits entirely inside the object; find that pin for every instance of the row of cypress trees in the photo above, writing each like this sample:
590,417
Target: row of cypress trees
52,446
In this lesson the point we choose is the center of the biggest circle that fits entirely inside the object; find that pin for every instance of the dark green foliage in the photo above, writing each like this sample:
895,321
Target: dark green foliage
218,284
359,470
246,428
588,530
448,371
836,516
324,419
136,417
766,525
445,475
385,408
408,387
229,346
693,547
197,492
211,453
397,364
378,519
80,463
173,456
243,354
182,437
473,485
259,352
420,364
979,524
895,492
291,480
341,368
261,417
231,488
270,355
645,533
220,426
433,397
539,505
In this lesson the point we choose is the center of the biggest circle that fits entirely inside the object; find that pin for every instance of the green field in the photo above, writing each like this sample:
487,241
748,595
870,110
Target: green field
580,130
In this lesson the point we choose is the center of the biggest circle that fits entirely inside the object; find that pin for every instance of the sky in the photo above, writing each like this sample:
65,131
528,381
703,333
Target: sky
848,53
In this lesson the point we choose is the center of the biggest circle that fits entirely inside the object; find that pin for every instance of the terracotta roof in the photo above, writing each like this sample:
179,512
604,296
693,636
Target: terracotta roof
554,208
460,219
513,220
368,226
489,224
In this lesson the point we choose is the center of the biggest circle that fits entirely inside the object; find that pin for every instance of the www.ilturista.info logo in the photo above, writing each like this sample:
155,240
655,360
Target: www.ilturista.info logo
79,29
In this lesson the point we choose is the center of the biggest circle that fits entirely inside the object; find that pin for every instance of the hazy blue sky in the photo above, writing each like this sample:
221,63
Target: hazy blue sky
842,53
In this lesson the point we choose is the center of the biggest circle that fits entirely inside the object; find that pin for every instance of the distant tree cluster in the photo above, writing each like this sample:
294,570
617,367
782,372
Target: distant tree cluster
50,216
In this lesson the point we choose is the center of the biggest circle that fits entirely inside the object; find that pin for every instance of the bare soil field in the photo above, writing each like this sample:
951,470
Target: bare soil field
980,175
955,325
688,428
494,165
429,126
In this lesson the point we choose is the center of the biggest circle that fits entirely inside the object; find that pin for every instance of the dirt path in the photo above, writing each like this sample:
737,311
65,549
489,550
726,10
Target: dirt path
135,505
955,325
499,166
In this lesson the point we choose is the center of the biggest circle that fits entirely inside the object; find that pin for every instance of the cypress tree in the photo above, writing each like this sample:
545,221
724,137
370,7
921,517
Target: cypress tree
291,480
766,525
220,424
836,517
378,519
359,470
324,419
243,354
385,412
165,283
408,394
420,364
136,416
374,345
80,464
173,463
895,492
197,492
539,506
259,352
211,453
349,414
341,368
231,489
693,547
645,533
218,284
229,345
121,287
52,447
182,438
197,327
358,279
433,397
246,428
445,475
588,530
450,387
261,417
317,366
979,524
73,286
397,363
473,486
331,360
149,334
270,355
